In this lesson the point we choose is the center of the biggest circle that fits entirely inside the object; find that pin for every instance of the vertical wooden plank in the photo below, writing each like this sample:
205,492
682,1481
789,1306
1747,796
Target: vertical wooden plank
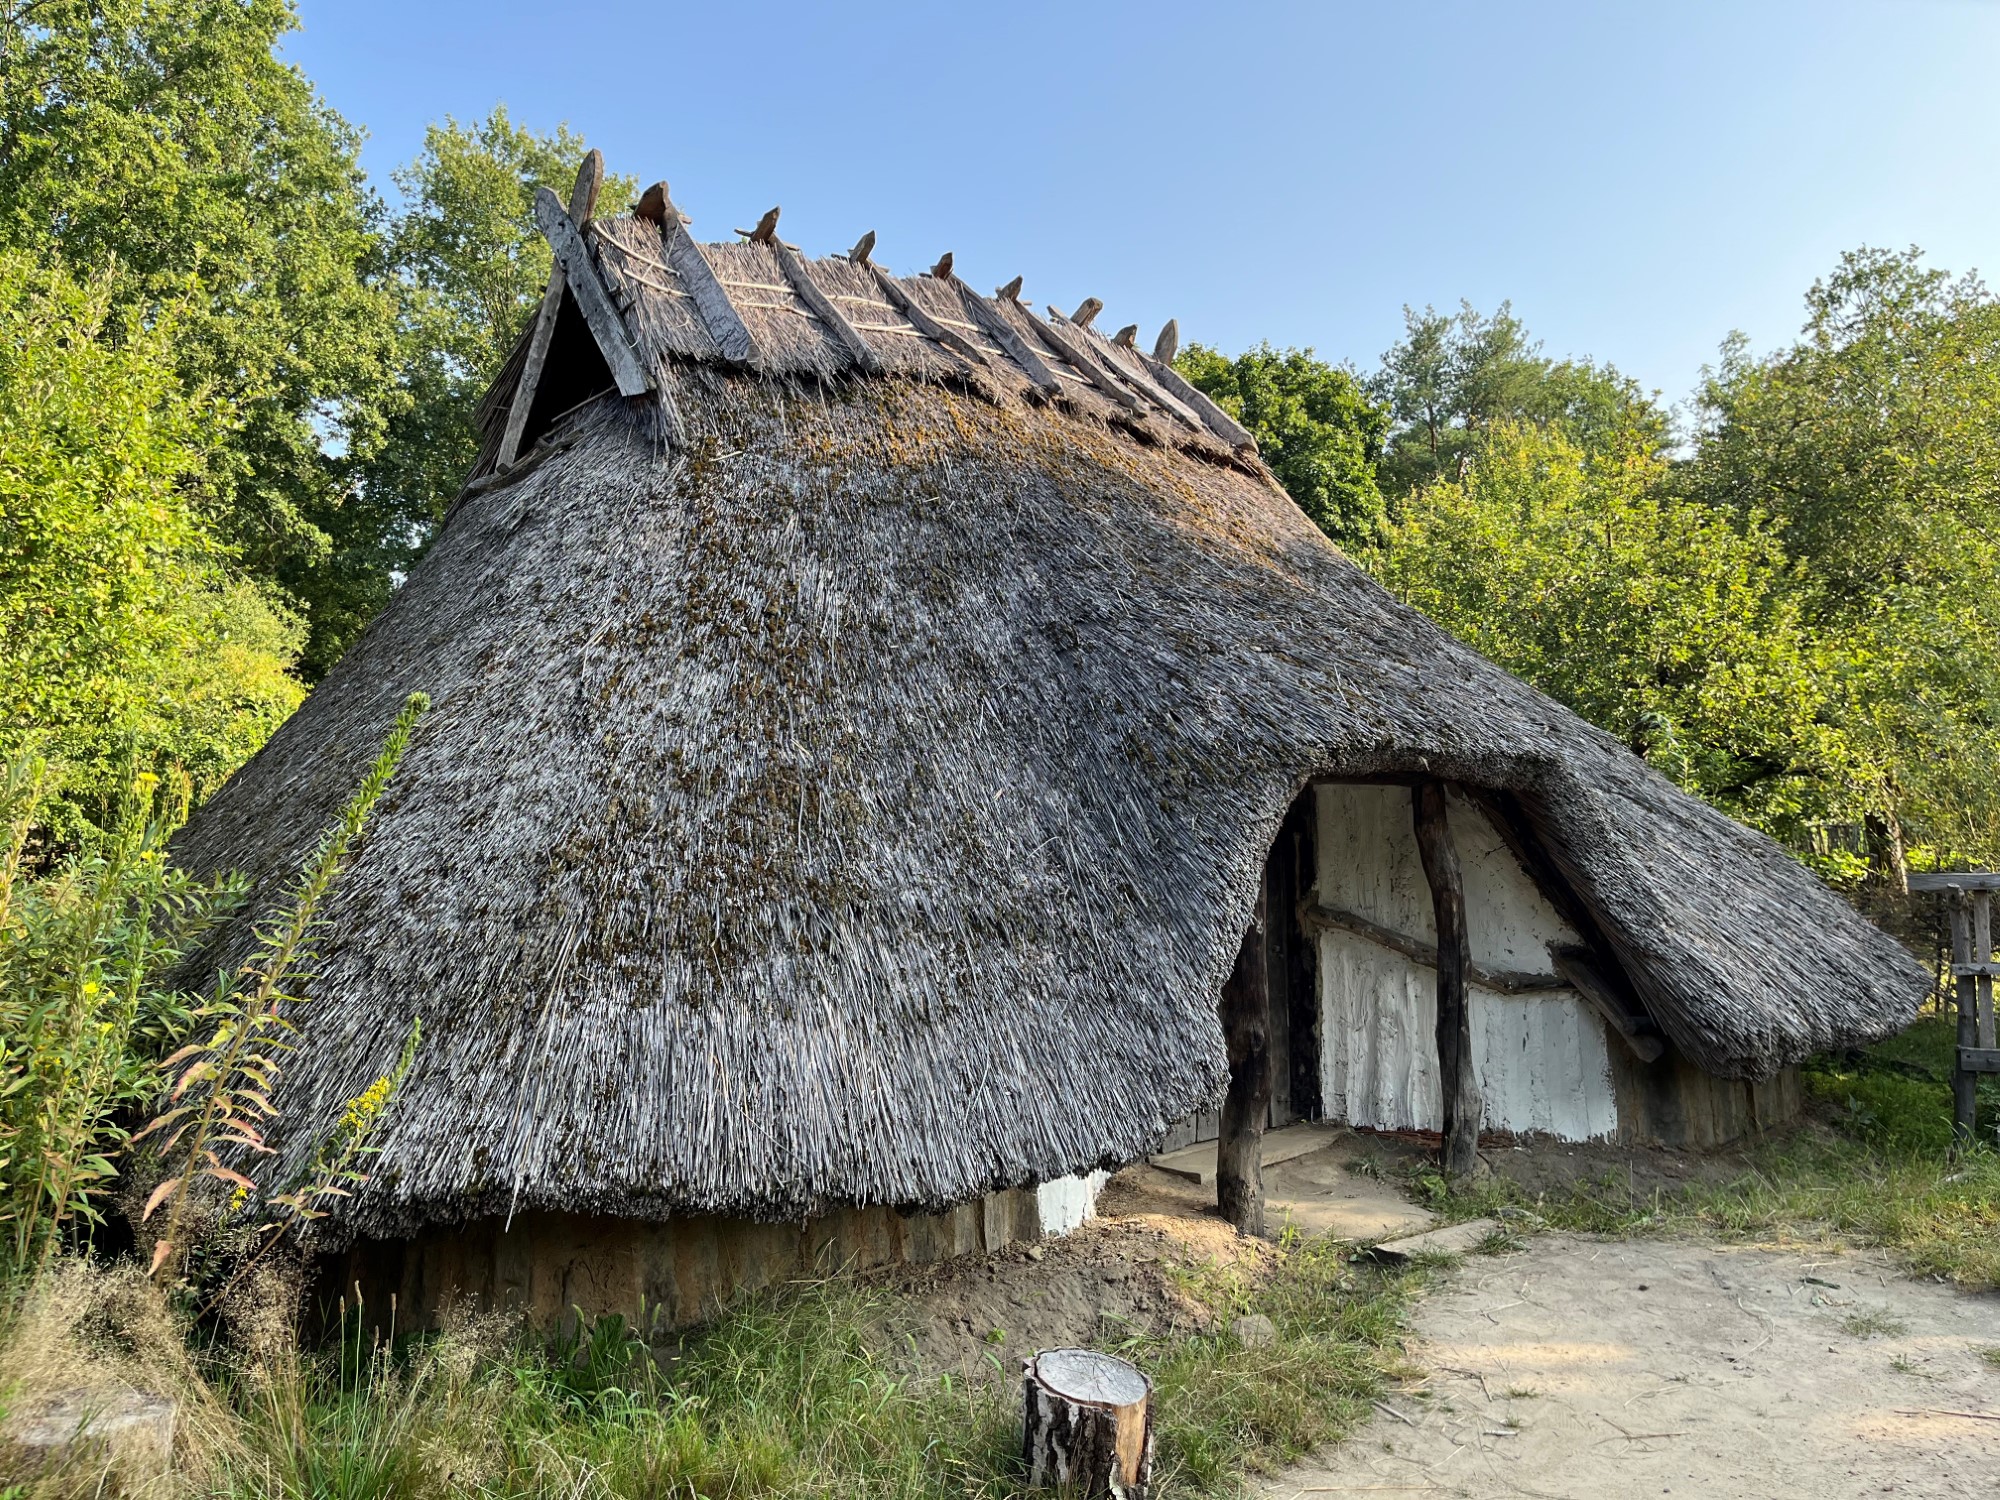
1458,1083
1964,1084
1982,950
1246,1034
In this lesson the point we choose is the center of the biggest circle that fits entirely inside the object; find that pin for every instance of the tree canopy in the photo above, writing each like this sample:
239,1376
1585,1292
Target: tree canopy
1314,425
124,636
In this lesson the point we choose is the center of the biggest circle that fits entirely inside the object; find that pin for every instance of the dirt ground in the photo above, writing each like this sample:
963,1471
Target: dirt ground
1107,1281
1595,1368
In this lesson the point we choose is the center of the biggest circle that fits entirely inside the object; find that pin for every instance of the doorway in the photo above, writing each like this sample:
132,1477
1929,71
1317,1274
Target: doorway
1291,979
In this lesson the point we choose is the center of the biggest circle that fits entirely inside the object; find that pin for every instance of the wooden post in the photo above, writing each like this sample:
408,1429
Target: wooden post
1246,1034
1457,1081
1964,1082
1088,1425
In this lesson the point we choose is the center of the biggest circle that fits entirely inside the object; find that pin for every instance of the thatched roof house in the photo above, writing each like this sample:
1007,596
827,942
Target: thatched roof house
863,710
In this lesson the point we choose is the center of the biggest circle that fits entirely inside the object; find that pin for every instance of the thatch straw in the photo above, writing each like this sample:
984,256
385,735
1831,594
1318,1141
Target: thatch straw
862,802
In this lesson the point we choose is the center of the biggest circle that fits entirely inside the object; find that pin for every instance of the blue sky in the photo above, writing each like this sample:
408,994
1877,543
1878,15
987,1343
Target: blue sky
1638,179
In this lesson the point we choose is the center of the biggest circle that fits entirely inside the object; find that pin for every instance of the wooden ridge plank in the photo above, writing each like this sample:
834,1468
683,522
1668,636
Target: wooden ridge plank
929,326
718,314
592,300
582,203
799,274
1453,1239
1135,375
998,329
1219,421
1052,330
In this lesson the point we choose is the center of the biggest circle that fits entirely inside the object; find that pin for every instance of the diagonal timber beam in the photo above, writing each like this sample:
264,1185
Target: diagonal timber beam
718,314
1219,421
922,321
990,318
582,204
800,276
592,300
1108,385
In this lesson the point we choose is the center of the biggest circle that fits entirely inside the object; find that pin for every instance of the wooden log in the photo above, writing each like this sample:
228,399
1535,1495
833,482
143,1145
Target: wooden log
1219,421
1072,349
990,318
592,300
1457,1081
718,314
923,322
582,204
1316,917
1246,1035
1087,1425
800,276
1633,1028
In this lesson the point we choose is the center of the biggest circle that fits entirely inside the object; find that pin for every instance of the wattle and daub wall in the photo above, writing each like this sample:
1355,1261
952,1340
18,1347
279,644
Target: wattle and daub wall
1548,1062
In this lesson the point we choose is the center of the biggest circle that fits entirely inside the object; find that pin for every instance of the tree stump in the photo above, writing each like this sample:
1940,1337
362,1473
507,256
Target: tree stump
1089,1424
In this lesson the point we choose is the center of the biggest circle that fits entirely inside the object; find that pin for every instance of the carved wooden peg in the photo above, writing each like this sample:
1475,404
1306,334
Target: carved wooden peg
942,270
766,230
653,204
863,248
1011,292
1168,344
1126,336
1087,309
589,179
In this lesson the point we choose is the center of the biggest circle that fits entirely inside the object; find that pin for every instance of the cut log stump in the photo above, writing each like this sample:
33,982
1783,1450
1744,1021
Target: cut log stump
1089,1425
123,1439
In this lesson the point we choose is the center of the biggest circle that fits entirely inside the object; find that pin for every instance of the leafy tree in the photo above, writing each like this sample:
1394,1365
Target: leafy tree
470,266
1314,426
124,631
162,143
1664,621
1874,443
1453,375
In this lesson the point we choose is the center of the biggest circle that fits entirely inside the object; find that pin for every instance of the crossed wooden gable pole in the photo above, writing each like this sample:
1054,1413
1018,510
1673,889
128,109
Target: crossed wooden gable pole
1045,351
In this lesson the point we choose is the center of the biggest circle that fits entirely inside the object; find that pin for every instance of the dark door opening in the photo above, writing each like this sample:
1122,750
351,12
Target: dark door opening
1292,979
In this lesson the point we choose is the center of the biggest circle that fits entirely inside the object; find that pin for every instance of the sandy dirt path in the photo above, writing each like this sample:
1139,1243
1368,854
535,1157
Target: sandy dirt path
1589,1368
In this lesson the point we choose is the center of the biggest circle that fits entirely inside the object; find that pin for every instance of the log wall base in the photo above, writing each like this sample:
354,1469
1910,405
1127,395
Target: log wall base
1089,1425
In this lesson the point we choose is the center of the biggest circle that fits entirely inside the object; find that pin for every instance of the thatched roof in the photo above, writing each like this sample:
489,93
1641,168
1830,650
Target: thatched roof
850,784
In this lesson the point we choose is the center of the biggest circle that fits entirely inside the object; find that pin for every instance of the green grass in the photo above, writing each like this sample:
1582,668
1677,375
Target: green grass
1873,1323
1874,1165
801,1394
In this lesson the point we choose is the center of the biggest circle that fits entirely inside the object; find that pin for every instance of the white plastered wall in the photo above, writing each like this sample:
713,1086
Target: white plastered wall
1069,1201
1542,1056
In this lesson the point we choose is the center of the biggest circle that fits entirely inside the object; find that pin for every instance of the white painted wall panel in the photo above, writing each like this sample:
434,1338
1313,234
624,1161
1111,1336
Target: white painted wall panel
1543,1058
1368,864
1068,1201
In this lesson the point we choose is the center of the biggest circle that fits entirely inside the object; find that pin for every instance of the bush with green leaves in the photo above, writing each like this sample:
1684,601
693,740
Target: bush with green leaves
90,1017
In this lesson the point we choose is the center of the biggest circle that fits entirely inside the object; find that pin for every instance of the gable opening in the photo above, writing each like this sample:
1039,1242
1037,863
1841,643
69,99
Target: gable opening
574,374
